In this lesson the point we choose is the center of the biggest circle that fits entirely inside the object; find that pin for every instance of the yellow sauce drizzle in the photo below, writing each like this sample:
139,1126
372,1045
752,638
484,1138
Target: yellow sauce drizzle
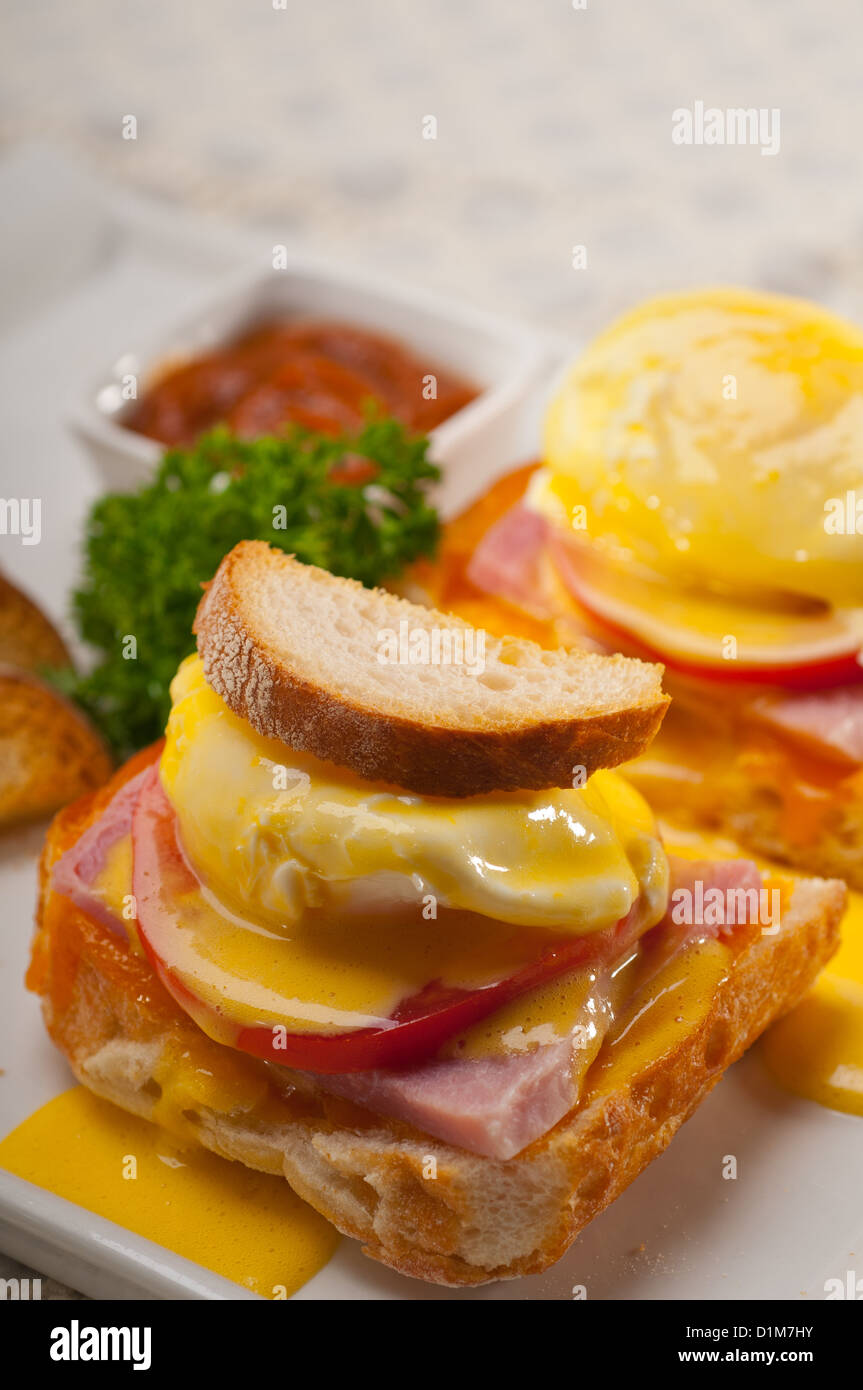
657,1017
817,1050
247,1226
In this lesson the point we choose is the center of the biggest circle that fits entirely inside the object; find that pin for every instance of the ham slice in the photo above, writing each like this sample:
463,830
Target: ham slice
76,872
730,884
493,1106
828,721
507,563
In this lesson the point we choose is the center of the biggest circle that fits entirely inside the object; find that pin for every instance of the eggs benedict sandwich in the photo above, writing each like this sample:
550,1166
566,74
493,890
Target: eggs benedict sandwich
384,919
700,503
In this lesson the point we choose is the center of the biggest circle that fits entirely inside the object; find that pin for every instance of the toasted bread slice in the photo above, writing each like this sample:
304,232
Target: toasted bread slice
481,1218
283,642
28,641
49,751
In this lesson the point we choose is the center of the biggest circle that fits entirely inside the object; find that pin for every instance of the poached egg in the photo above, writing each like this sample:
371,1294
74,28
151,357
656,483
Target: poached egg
708,435
275,833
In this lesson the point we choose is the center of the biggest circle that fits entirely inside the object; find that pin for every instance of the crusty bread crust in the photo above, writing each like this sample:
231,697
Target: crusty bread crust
478,1219
49,750
443,757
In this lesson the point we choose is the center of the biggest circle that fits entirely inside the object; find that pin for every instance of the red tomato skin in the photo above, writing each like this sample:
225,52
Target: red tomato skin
816,675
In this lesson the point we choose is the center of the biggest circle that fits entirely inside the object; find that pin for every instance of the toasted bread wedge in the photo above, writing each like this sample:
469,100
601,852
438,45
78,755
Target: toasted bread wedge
283,642
49,751
28,641
481,1218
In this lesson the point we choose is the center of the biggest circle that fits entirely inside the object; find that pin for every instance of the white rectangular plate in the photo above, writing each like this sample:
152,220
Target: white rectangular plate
792,1218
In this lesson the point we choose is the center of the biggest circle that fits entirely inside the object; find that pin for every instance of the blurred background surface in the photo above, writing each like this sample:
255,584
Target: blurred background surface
553,130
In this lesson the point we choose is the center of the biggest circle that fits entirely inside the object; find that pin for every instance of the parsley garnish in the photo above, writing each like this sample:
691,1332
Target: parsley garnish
148,552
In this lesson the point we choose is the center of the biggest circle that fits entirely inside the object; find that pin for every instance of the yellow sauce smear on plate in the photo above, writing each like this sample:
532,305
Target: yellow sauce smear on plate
248,1226
817,1050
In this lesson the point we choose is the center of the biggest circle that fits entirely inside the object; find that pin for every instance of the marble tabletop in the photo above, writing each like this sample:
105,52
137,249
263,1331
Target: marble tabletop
554,126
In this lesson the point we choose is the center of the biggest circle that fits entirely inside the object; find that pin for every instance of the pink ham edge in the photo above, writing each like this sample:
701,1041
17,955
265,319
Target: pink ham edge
728,875
507,563
76,871
510,564
491,1106
828,721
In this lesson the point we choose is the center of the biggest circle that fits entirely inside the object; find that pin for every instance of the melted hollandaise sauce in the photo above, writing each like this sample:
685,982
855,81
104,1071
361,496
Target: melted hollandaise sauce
816,1051
249,1227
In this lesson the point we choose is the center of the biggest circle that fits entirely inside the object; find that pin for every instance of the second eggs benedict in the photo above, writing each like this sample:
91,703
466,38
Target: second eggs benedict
697,503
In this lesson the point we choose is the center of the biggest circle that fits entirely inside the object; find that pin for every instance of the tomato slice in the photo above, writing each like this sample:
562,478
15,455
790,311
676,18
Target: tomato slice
802,653
165,888
423,1023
